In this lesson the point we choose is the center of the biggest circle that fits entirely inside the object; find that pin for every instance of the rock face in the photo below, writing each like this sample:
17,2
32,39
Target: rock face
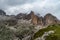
50,19
29,16
2,12
21,16
34,18
39,20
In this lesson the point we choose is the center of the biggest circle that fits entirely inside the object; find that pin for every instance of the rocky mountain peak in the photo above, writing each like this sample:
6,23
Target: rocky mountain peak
34,18
49,15
50,19
20,16
32,12
39,20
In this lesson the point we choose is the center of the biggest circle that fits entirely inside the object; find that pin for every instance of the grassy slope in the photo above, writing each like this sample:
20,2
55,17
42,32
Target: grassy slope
55,36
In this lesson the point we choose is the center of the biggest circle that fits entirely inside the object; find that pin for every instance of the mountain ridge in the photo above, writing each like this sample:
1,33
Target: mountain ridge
48,19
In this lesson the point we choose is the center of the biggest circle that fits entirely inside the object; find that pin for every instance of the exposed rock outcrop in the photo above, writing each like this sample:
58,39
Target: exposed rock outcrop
21,16
50,19
40,21
34,18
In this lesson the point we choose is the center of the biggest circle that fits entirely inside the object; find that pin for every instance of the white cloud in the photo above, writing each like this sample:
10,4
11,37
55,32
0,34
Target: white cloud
38,6
18,9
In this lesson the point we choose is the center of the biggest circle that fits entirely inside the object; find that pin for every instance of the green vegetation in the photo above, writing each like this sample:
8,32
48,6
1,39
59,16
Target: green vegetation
54,36
5,33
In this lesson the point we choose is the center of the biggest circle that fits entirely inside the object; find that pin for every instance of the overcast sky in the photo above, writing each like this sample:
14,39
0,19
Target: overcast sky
25,6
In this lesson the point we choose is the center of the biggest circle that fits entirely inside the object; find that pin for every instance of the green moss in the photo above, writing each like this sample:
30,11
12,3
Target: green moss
51,37
55,28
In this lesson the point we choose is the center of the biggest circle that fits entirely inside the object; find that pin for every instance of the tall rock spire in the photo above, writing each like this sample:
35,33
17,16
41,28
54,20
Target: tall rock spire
34,18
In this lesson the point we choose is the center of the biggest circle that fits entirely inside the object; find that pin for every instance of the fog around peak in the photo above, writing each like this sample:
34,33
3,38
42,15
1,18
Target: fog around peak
25,6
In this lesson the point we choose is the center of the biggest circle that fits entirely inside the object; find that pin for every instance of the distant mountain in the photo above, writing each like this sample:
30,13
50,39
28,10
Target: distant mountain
39,20
20,16
50,19
46,20
2,12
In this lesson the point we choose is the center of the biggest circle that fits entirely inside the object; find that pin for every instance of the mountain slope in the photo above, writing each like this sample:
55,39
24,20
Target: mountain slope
54,35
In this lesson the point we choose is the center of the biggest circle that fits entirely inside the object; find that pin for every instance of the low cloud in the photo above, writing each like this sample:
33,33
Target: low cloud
38,6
